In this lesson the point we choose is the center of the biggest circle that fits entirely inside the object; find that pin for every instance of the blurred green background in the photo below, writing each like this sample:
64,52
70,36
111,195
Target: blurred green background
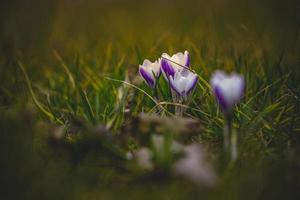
103,32
33,27
31,30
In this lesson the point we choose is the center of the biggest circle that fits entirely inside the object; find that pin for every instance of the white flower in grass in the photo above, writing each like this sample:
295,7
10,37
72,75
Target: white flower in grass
172,64
183,82
195,167
150,71
228,89
143,157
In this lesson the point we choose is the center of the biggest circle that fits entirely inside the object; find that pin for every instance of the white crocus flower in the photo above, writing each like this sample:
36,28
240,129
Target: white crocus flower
228,89
150,71
183,82
195,167
175,63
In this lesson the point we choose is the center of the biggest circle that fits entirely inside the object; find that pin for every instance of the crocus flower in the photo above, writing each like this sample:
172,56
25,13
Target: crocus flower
183,82
172,64
228,89
143,158
150,71
194,166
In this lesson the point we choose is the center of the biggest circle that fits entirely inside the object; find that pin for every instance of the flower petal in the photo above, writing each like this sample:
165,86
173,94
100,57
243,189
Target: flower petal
239,83
173,85
186,59
159,67
147,76
221,99
156,68
191,84
228,89
165,55
167,68
217,77
146,63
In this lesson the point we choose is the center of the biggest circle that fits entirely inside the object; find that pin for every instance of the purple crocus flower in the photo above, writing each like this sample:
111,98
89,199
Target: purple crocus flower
150,71
228,89
172,64
183,82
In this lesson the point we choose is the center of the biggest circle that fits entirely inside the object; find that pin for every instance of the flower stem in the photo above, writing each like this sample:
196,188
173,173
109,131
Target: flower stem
155,93
230,139
178,109
156,97
234,150
227,136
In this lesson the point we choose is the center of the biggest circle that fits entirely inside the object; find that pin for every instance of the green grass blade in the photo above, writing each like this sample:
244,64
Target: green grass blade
36,102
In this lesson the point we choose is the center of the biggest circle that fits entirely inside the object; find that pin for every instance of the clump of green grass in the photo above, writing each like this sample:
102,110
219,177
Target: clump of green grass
266,119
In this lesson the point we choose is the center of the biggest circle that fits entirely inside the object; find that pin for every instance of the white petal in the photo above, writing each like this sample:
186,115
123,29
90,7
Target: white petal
185,72
181,84
180,58
231,88
217,77
165,55
191,80
155,67
146,63
177,61
173,84
237,87
195,167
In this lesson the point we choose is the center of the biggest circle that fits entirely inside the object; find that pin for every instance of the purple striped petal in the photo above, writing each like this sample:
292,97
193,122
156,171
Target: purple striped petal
167,68
221,99
147,77
187,61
